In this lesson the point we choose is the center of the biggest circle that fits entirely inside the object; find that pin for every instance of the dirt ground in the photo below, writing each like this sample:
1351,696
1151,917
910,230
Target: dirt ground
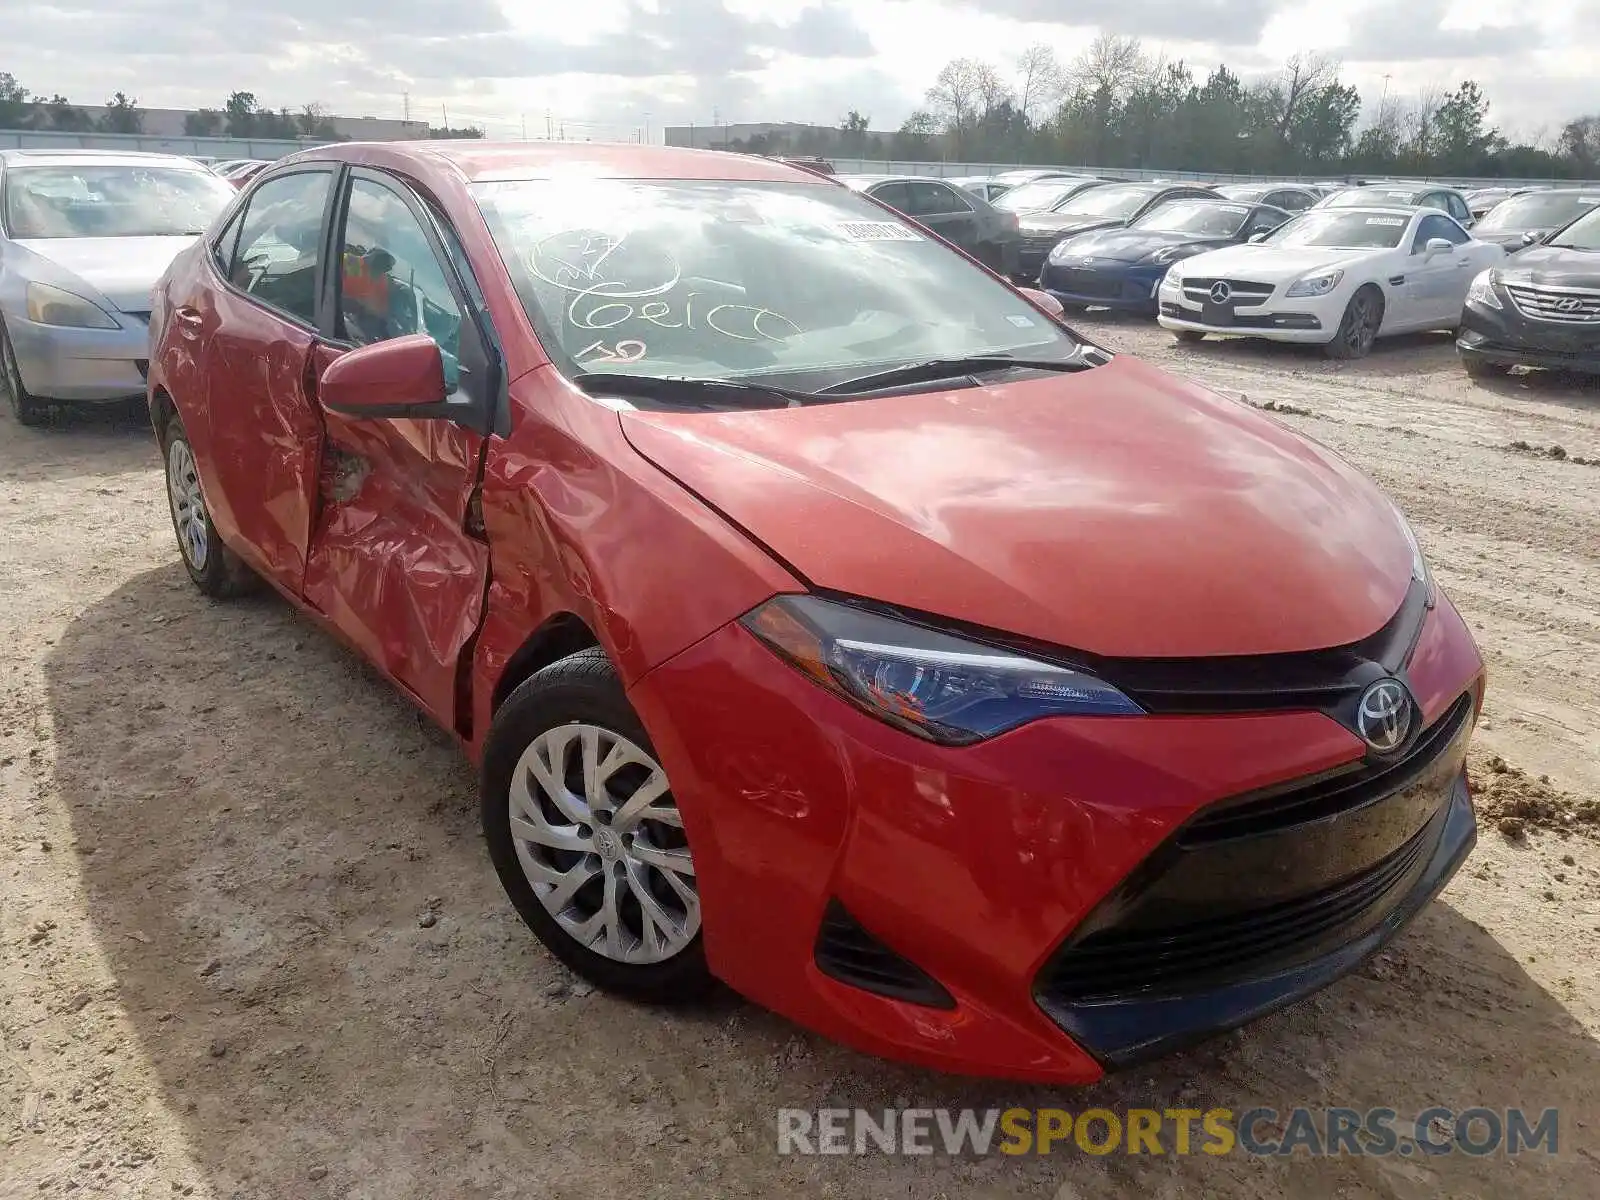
251,946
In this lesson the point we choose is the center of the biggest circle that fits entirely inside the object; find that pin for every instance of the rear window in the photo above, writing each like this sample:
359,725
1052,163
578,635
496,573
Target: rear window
1539,210
105,200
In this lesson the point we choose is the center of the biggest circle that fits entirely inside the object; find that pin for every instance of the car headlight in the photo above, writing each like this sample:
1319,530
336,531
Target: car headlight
934,685
1316,285
1173,277
1062,250
1168,254
1481,290
51,306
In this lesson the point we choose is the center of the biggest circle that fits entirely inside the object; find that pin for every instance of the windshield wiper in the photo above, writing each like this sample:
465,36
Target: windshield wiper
672,389
950,368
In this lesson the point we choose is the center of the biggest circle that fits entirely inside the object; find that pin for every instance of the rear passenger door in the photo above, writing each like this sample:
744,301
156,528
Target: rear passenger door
398,559
941,209
263,433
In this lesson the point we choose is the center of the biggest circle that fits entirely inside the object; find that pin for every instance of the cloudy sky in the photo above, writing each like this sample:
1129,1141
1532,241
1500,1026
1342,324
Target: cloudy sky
598,67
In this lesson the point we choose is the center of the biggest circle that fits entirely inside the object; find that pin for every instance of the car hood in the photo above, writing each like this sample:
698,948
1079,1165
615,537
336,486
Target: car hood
121,269
1130,245
1038,223
1120,511
1270,264
1553,267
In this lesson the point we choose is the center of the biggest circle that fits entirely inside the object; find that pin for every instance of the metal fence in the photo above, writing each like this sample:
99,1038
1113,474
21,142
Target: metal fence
212,147
950,170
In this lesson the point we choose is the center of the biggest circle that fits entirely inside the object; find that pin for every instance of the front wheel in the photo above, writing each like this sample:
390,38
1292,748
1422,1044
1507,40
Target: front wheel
25,408
1359,328
586,836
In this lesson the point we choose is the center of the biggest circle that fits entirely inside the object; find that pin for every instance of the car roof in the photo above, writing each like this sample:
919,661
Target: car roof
479,161
1386,210
110,158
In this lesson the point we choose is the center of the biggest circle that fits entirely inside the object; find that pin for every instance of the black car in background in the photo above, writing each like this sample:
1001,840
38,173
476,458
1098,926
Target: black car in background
1291,197
1540,308
954,213
1104,206
1524,219
1122,268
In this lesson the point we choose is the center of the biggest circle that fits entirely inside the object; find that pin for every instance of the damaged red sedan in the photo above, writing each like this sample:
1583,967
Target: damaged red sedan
826,617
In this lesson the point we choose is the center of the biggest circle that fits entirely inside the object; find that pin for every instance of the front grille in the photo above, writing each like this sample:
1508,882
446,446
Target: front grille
1087,283
1341,790
1121,962
1241,291
847,952
1570,306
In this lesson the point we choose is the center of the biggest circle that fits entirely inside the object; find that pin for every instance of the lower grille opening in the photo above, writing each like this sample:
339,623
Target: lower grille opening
1125,961
144,367
847,952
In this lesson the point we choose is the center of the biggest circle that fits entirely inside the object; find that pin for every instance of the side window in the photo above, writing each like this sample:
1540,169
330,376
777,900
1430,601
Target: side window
936,200
1264,220
1435,200
279,240
894,195
1289,201
224,244
1431,227
1459,209
390,282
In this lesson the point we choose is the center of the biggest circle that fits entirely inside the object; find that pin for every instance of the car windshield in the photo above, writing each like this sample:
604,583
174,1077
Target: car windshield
91,200
1539,210
735,279
1031,197
1582,234
1359,197
1342,231
1108,202
1203,218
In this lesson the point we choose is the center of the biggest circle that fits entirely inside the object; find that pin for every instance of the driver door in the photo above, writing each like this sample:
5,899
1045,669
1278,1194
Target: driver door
1437,285
397,559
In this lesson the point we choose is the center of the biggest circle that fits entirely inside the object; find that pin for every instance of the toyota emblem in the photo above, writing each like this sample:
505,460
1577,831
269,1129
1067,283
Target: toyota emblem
1220,291
1384,715
1569,304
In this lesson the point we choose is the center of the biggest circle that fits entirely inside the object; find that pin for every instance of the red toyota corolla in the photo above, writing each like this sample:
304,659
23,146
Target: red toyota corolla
826,617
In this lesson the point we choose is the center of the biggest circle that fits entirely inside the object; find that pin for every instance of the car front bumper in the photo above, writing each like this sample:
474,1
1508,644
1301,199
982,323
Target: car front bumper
1507,337
1303,319
1126,286
1001,871
81,365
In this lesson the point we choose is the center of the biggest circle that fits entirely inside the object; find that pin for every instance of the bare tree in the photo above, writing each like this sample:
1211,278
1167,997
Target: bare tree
1040,80
1421,120
1303,79
965,92
1112,64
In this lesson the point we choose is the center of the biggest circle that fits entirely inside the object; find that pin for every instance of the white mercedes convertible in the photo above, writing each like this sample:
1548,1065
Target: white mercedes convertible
1338,277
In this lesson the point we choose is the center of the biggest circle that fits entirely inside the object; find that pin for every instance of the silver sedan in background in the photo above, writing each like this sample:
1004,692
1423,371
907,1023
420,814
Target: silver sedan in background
84,235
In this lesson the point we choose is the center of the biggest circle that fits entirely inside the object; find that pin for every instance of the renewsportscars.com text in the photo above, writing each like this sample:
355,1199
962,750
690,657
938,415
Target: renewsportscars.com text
1216,1131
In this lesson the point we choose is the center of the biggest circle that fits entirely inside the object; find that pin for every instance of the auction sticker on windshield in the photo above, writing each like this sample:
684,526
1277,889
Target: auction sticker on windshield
1386,220
877,231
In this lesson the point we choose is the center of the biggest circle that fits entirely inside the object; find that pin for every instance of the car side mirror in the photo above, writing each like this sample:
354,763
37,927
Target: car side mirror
1045,301
402,377
1436,247
1259,237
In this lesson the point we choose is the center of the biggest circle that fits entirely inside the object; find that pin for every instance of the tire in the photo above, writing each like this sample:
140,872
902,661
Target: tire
26,409
1358,329
216,570
1189,337
582,897
1482,368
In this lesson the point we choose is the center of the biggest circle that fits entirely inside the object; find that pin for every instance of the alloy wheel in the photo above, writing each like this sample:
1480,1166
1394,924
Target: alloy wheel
188,505
1363,327
601,842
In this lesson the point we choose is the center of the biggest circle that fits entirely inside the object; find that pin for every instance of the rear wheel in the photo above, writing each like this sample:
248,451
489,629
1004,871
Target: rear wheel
1188,336
1482,368
216,571
25,408
1359,329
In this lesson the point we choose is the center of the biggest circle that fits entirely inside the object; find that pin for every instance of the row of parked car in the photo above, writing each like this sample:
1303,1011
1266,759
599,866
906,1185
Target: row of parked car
1333,264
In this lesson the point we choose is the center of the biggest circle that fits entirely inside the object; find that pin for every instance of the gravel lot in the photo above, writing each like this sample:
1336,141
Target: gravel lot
250,944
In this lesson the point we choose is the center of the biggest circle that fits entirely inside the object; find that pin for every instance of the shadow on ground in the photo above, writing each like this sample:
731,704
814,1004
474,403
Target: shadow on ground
285,874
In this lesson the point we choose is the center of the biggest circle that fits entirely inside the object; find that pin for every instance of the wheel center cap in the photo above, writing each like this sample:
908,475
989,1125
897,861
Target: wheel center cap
607,843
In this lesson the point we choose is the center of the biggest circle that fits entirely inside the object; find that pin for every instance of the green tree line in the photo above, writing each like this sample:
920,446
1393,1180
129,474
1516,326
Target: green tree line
1118,106
241,116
